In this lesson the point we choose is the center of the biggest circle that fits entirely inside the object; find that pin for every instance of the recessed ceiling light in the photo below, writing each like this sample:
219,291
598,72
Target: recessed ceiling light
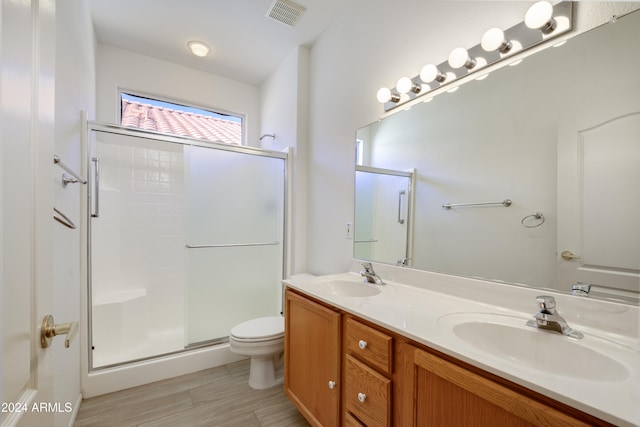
199,48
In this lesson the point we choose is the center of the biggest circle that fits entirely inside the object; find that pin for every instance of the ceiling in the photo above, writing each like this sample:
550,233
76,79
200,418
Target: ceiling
247,45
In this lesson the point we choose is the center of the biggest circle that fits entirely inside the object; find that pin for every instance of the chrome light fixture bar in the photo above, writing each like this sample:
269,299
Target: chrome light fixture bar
543,21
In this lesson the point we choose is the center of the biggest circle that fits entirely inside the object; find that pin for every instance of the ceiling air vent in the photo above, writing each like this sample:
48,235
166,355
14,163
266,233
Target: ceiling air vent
285,11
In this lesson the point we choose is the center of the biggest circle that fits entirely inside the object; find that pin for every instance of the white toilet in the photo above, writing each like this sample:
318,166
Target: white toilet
262,339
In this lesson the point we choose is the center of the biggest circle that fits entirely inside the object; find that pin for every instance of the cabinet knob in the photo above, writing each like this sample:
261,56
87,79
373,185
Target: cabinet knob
362,397
362,344
332,384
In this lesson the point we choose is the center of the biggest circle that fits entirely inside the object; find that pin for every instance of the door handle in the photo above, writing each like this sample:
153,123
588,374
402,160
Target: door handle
96,188
400,194
49,330
568,255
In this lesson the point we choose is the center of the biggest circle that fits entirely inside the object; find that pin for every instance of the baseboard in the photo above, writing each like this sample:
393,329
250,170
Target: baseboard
76,409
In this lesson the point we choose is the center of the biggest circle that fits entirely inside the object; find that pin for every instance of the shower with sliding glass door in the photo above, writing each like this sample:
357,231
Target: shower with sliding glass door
186,240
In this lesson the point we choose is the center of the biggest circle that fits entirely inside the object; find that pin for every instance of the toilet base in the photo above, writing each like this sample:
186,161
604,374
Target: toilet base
263,372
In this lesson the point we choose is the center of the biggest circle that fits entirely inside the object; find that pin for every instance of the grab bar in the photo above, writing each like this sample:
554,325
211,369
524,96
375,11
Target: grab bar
400,219
96,188
366,241
230,245
506,203
64,220
65,181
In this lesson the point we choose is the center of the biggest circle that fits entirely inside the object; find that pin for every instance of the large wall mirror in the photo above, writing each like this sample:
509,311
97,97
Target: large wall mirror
558,136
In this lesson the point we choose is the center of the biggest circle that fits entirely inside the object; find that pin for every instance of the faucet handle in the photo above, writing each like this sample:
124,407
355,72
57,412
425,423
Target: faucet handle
581,289
368,268
403,262
546,303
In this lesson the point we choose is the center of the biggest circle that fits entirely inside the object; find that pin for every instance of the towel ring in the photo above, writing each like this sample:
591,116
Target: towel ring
537,215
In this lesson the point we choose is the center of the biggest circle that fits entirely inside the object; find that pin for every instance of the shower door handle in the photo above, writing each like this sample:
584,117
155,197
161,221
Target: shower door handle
96,187
400,194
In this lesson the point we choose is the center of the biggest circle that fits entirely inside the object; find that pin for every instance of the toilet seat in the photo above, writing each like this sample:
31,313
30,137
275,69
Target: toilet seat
258,330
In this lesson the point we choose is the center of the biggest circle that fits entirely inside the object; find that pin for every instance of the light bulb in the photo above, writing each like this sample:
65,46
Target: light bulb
404,85
459,57
494,39
540,17
385,95
199,48
430,73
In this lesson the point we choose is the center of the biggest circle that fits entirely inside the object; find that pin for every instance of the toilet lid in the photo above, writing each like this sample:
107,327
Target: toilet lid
260,328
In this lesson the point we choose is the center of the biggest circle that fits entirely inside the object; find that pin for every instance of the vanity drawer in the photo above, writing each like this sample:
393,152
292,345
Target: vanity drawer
367,394
369,345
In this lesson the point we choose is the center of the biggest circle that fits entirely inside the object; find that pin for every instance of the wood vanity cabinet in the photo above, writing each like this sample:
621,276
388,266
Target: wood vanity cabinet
368,366
312,359
385,379
446,393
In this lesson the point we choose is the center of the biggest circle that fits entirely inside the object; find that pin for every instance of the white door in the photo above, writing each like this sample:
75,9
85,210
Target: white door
599,206
26,123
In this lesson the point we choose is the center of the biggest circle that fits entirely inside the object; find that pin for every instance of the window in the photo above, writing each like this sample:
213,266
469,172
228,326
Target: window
176,119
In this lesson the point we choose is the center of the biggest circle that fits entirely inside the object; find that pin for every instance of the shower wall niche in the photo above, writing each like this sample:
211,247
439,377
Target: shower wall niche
186,239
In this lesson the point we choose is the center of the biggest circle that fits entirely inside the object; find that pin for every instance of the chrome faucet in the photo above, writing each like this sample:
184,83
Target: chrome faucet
369,274
548,318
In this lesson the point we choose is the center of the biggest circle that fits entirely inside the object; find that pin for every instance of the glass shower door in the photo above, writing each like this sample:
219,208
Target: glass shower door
136,240
234,240
186,240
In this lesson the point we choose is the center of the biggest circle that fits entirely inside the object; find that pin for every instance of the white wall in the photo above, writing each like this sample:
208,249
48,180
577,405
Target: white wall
372,45
284,111
74,92
118,68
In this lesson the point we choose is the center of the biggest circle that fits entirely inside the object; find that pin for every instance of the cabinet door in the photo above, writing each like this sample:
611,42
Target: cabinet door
447,394
312,359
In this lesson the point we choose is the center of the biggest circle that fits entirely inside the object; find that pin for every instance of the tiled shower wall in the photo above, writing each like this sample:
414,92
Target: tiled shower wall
138,240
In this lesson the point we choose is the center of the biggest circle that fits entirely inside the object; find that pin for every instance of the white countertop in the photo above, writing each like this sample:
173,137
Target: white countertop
423,306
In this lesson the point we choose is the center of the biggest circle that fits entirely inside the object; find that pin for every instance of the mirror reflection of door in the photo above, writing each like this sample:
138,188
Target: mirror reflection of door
382,215
599,202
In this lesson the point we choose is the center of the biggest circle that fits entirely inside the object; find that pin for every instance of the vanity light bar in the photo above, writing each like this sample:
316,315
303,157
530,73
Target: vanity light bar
543,22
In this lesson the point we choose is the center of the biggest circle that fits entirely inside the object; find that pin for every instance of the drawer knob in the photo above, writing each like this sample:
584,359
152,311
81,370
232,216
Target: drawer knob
332,384
362,344
362,397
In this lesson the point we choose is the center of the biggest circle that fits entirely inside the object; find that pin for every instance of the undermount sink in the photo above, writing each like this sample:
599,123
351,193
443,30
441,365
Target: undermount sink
347,288
507,338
